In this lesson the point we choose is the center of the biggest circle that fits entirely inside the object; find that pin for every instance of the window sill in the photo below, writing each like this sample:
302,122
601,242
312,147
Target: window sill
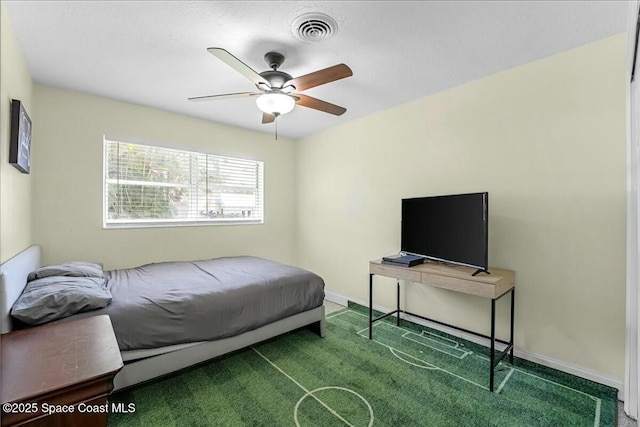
128,225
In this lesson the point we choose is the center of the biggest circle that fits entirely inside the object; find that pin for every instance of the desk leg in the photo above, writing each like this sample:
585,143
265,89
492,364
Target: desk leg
492,356
513,299
370,306
398,304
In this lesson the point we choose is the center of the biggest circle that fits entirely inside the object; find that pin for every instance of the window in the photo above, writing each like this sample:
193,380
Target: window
147,185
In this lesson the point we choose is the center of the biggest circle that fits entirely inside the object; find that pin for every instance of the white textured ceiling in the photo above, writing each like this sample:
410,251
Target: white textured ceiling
154,53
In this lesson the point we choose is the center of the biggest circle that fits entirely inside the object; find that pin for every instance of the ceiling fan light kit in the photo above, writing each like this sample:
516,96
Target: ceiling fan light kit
275,103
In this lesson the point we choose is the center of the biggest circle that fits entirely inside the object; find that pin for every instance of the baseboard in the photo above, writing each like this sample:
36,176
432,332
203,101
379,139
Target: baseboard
338,299
578,371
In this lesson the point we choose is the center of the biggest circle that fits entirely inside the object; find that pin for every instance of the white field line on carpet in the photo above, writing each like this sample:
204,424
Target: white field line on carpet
311,393
597,400
465,353
504,381
453,343
394,351
536,358
339,313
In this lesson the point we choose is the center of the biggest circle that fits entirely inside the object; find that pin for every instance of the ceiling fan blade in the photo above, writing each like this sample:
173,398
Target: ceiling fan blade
224,96
318,104
320,77
268,118
238,65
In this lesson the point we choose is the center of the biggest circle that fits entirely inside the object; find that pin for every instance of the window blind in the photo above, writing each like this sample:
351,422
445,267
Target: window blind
150,185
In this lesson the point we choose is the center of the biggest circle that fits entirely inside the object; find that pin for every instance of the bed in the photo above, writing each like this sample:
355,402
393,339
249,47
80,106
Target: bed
161,347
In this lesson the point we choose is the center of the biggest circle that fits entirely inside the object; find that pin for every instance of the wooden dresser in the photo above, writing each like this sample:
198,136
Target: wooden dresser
59,374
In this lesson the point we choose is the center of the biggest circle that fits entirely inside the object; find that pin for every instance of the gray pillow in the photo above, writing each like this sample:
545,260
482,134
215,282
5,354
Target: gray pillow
55,297
72,269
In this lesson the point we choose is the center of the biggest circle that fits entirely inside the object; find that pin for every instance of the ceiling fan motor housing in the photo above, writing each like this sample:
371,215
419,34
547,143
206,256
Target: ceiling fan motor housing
276,78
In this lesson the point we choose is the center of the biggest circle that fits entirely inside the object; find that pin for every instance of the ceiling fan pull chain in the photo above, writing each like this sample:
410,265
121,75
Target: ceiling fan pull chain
276,120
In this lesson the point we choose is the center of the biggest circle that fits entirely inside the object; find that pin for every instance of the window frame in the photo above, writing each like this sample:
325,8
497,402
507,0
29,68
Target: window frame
110,224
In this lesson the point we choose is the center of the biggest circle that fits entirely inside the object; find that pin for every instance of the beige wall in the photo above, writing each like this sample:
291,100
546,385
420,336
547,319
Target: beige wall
67,171
547,141
15,187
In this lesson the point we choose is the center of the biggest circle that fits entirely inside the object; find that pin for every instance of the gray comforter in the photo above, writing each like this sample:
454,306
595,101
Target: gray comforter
179,302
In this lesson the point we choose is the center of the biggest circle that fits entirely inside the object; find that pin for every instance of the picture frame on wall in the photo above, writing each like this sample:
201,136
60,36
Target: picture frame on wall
20,139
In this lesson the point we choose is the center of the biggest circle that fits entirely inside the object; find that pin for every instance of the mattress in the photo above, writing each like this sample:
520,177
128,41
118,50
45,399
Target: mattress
171,303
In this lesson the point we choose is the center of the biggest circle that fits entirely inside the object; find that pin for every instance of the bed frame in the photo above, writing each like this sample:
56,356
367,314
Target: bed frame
144,365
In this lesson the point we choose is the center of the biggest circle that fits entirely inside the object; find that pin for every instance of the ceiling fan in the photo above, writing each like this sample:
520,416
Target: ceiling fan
278,92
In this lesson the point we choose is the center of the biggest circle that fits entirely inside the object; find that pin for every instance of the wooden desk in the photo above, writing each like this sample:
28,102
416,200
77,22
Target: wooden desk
455,278
65,367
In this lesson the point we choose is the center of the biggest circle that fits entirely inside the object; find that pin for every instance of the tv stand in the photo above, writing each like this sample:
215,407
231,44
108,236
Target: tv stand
478,271
455,278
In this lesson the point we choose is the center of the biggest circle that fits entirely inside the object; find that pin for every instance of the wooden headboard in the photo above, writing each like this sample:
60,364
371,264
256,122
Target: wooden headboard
13,278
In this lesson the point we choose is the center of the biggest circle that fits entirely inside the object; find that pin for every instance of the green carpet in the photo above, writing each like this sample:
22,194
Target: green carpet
407,376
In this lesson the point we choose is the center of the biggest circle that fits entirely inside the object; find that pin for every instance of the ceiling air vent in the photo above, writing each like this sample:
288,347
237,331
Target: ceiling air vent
314,27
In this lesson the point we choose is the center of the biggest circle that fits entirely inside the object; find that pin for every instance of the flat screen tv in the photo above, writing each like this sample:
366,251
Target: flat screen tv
452,228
